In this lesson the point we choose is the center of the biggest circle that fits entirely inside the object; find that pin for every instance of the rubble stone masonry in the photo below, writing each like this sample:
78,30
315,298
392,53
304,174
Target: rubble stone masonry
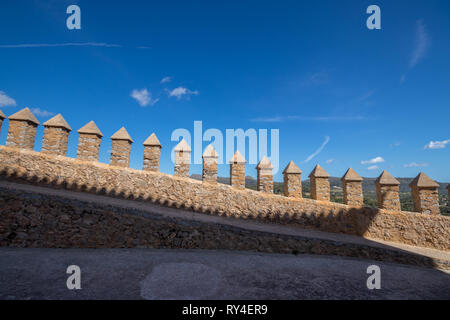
352,188
152,153
120,153
209,172
406,227
88,147
55,141
426,200
237,171
264,181
21,134
292,181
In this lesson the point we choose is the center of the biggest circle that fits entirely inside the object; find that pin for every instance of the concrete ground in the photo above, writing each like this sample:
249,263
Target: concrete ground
199,274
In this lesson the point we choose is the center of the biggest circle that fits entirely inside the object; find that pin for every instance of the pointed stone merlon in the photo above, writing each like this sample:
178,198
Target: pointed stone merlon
182,159
387,192
352,187
121,148
237,171
152,153
56,136
2,117
264,180
319,184
209,173
90,138
292,181
425,194
22,130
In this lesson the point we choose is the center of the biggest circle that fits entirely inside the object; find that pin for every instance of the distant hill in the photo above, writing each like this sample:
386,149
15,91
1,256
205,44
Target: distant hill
335,183
370,197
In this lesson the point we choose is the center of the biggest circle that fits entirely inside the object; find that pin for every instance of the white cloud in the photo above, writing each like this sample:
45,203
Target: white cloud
422,43
372,168
143,97
329,161
41,113
414,164
5,100
437,144
327,139
166,79
68,44
395,144
181,91
301,118
373,161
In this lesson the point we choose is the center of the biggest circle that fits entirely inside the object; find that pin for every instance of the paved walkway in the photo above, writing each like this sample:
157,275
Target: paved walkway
199,274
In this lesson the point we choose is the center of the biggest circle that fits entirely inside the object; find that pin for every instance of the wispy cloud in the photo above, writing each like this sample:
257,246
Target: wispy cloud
5,100
67,44
41,113
415,164
366,96
181,91
422,43
143,97
395,144
329,161
302,118
373,161
327,139
317,78
166,79
373,168
437,144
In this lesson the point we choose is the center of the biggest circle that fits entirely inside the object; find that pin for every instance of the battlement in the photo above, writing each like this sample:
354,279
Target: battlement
51,167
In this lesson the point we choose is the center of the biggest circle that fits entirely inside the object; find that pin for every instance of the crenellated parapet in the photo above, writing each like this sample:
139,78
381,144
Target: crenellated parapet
22,132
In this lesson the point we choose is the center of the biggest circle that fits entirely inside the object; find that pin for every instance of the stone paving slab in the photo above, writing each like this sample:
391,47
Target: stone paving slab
33,273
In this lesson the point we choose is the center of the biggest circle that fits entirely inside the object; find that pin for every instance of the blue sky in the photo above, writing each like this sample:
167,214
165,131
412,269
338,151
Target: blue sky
340,94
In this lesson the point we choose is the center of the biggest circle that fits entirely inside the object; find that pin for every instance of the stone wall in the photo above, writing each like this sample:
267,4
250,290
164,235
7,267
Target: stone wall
293,185
426,200
320,188
152,154
21,134
39,220
353,193
181,192
388,197
237,175
55,140
88,147
120,153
